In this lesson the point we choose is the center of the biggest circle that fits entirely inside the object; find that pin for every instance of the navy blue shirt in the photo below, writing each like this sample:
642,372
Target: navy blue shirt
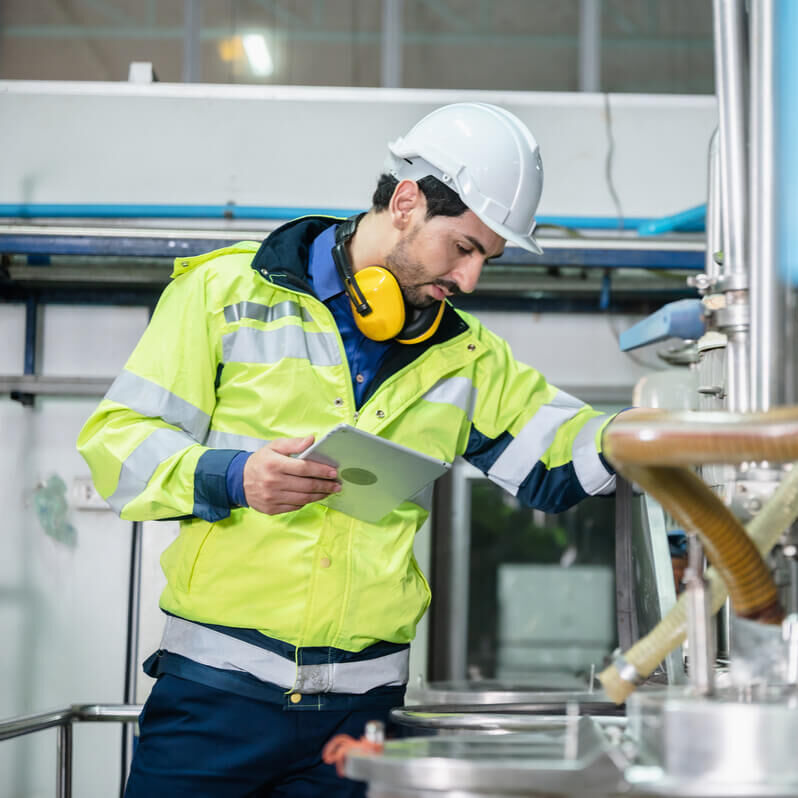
364,355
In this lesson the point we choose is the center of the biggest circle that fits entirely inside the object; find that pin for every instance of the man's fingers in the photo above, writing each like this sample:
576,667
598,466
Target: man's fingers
291,445
305,486
297,467
300,499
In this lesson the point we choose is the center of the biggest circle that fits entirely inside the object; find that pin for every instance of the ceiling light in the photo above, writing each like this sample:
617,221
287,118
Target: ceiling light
258,55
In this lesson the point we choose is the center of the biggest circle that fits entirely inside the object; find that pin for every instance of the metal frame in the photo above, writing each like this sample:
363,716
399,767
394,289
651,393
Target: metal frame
63,720
682,252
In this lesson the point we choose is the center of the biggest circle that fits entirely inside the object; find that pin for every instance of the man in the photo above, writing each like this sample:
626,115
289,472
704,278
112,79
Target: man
287,621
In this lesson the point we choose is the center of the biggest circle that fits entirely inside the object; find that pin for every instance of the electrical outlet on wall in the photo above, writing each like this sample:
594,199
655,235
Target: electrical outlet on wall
85,496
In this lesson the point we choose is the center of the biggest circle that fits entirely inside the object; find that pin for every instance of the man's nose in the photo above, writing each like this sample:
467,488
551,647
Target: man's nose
466,275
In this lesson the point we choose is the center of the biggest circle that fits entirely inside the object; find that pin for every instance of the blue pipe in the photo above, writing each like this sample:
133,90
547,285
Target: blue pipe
127,211
786,102
142,211
691,220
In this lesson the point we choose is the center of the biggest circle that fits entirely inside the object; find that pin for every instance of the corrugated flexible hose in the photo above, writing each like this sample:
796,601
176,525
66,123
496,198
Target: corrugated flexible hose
654,449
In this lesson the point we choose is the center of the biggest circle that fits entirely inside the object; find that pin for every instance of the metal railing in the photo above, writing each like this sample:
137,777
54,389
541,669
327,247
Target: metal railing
63,719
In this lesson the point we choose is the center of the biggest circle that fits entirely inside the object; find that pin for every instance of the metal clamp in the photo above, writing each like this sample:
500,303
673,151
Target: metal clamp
625,669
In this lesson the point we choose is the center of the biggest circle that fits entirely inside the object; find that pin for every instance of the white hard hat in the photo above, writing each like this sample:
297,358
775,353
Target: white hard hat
484,153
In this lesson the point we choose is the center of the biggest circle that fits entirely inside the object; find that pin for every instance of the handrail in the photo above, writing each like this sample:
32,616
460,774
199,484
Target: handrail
63,720
28,724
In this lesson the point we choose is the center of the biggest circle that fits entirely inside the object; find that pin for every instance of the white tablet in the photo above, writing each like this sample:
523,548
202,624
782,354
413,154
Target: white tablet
376,474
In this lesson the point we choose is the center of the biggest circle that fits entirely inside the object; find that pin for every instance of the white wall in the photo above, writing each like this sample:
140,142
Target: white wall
575,351
324,147
63,607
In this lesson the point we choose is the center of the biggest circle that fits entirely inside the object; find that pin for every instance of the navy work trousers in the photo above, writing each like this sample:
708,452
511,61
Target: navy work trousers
200,742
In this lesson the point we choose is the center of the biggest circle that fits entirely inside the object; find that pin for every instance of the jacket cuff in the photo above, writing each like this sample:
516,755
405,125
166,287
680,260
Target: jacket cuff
211,502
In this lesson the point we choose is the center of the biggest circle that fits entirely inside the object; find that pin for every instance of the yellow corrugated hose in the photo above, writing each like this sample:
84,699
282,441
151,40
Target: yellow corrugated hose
653,449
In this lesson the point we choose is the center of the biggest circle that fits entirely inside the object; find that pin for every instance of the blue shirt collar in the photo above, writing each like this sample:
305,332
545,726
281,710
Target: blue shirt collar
321,267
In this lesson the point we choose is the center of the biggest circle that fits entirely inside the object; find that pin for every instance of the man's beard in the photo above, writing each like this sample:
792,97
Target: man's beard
412,276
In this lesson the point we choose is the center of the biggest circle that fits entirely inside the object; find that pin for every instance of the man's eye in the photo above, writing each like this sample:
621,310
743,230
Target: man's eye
464,250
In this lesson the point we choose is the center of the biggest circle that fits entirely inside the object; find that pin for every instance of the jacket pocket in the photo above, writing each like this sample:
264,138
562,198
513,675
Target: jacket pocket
180,559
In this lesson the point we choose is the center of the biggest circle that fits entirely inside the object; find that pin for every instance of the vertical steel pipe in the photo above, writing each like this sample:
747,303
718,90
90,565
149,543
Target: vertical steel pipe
590,45
786,104
191,41
730,82
459,567
731,55
391,51
132,646
63,787
714,224
738,369
767,300
31,328
700,641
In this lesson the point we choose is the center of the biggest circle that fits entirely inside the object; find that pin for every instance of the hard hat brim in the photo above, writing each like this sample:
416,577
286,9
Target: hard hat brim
529,243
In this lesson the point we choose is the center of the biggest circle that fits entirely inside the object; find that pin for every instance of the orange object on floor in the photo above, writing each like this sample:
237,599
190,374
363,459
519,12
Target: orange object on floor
338,748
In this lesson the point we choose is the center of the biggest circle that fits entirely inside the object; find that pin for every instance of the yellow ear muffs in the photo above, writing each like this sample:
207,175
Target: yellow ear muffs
381,292
378,306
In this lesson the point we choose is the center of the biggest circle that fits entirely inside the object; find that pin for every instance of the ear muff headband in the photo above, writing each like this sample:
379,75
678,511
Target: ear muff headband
378,306
423,326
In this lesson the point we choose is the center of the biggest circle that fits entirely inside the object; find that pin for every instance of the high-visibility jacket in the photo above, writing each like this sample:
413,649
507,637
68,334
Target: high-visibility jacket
238,352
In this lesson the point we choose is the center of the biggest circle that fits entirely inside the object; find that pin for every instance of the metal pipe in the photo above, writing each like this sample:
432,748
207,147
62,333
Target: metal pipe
700,642
63,787
133,617
713,214
689,220
107,713
730,60
31,324
737,369
590,45
767,300
786,46
191,41
391,50
28,724
730,81
459,570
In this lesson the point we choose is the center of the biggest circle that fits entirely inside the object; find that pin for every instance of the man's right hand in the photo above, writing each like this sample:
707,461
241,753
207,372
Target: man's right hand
275,482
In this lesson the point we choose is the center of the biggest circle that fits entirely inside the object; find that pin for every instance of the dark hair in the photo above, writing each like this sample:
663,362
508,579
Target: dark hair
441,200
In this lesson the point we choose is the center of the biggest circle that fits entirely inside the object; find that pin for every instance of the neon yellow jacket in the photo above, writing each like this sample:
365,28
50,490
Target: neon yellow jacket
238,352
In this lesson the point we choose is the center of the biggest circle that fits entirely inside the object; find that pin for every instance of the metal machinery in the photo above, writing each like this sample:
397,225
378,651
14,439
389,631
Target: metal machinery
732,730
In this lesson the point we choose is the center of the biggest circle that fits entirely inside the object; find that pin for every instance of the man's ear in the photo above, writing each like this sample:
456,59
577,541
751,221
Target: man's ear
407,201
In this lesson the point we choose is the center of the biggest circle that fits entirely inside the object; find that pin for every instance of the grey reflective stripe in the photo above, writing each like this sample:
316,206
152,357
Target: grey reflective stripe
593,476
140,465
457,391
518,459
265,313
218,650
229,440
150,399
248,345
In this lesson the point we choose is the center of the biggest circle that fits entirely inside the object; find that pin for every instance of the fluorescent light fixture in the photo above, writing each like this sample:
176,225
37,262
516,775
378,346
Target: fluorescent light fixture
258,55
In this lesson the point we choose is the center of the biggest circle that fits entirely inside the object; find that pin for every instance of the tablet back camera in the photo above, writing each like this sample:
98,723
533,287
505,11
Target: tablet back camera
358,476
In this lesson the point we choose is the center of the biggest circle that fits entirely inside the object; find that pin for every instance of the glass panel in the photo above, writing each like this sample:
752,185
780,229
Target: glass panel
542,588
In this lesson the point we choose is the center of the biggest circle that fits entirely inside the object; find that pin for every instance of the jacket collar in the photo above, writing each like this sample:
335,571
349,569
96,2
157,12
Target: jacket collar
283,259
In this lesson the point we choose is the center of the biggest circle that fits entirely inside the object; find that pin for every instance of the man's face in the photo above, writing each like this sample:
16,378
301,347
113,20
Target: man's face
442,256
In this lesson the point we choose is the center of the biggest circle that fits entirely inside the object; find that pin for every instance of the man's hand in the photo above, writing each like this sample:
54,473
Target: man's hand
276,483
